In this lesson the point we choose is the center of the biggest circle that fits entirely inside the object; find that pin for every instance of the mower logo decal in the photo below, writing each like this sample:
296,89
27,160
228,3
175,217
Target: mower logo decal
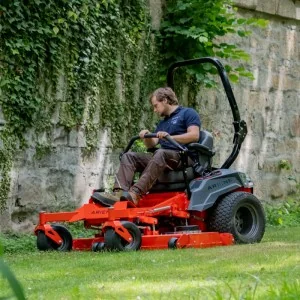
103,212
174,120
219,184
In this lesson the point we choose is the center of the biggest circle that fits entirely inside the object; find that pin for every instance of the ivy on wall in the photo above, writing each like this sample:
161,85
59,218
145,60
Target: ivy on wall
77,57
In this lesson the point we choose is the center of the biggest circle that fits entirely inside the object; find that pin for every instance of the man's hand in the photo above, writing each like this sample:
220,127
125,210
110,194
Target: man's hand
149,143
161,134
143,132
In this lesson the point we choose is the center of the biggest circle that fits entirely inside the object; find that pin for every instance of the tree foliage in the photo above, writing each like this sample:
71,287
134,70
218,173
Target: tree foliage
196,28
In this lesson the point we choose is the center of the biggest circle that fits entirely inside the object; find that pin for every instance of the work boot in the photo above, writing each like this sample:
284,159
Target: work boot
107,199
131,196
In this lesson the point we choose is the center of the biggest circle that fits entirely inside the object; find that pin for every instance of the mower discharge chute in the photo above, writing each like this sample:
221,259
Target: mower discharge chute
198,206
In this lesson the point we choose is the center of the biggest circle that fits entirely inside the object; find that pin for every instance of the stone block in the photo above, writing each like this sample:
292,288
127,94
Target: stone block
60,136
269,7
257,102
291,102
55,115
271,165
249,4
29,136
286,9
297,6
257,127
42,138
5,221
76,138
290,147
156,13
73,138
60,88
295,126
277,189
59,157
290,45
291,83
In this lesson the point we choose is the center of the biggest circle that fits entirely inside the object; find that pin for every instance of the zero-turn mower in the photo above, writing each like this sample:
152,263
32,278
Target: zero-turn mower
194,207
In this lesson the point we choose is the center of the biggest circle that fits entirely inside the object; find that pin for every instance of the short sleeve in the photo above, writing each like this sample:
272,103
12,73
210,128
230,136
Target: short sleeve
192,118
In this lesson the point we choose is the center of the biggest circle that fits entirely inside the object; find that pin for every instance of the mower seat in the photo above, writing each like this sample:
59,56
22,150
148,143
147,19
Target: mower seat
174,180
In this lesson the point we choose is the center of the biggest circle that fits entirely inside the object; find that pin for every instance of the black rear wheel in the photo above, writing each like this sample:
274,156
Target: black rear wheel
240,214
45,243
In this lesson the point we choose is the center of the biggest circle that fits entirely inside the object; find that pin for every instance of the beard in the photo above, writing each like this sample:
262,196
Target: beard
163,114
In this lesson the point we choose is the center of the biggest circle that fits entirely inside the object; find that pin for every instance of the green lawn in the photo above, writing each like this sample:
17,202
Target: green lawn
269,270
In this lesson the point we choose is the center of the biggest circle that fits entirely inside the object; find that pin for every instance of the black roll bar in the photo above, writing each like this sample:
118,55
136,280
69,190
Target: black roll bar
240,126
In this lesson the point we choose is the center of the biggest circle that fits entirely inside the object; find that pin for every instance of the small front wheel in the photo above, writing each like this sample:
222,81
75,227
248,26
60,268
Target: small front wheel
44,243
172,244
98,246
115,242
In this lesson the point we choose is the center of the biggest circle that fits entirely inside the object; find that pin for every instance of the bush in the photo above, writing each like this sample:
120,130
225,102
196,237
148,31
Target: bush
286,213
17,242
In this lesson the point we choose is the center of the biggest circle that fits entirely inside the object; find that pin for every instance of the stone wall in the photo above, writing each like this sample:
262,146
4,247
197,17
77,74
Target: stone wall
289,9
270,106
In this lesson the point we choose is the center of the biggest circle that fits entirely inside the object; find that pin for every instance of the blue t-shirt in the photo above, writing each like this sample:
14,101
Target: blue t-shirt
177,123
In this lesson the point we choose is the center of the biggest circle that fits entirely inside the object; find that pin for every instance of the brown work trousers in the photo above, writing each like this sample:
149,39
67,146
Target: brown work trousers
150,165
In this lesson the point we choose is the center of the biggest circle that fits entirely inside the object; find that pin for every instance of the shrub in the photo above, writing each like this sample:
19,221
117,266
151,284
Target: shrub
286,213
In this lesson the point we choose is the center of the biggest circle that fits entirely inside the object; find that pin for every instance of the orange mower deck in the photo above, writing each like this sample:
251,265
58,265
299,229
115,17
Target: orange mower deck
123,217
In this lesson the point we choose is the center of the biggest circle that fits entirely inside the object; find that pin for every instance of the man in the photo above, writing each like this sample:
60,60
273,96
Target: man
181,123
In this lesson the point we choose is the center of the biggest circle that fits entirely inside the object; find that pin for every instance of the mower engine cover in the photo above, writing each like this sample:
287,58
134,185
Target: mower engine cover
206,190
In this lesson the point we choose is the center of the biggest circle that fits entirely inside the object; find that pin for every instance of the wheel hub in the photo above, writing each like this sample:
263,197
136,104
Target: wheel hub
245,220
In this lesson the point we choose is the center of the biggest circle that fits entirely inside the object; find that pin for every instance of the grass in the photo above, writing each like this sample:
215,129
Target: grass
269,270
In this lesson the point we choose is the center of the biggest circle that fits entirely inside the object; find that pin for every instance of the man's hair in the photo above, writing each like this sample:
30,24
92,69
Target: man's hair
165,93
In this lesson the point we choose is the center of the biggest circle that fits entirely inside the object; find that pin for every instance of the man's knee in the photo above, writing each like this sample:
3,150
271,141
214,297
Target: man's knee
160,153
167,158
128,157
134,157
161,156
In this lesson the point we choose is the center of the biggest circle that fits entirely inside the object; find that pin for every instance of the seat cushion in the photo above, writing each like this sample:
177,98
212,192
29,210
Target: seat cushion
168,187
175,176
172,181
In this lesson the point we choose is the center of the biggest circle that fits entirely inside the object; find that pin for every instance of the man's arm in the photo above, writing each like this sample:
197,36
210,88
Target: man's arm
191,136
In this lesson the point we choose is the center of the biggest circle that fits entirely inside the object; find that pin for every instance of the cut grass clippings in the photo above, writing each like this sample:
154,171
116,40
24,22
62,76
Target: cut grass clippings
269,270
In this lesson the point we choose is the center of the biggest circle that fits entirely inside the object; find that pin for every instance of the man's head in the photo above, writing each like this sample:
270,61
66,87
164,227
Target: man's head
163,101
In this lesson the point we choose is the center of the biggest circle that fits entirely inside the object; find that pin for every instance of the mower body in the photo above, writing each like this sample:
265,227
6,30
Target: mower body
198,206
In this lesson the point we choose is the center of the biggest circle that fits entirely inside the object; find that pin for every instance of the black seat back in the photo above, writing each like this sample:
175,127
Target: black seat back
204,152
206,139
174,180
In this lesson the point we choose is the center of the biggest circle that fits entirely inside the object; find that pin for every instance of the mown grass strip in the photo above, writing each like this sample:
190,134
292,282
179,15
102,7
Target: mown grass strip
269,270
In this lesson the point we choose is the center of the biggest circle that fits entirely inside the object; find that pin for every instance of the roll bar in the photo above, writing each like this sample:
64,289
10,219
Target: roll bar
240,126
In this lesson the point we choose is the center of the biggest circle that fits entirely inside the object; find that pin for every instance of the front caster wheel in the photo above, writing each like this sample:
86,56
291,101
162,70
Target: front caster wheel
115,242
98,246
44,243
172,244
